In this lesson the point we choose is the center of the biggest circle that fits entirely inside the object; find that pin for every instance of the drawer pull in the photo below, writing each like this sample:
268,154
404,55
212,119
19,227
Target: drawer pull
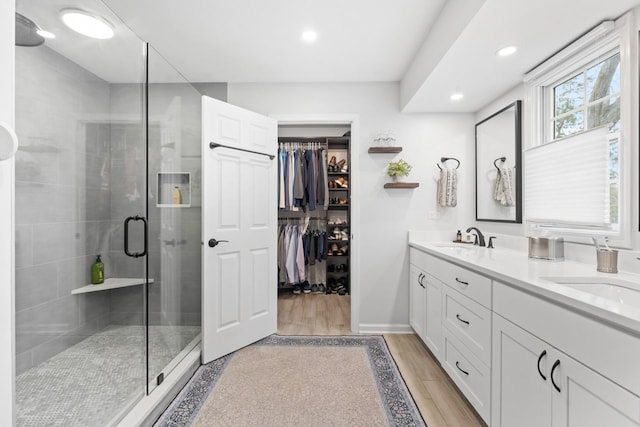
543,354
462,370
555,365
460,281
466,322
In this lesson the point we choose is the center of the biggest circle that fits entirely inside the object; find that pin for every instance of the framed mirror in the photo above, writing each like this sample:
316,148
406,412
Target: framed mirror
498,166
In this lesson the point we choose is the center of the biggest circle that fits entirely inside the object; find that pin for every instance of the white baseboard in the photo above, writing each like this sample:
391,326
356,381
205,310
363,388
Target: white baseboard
370,328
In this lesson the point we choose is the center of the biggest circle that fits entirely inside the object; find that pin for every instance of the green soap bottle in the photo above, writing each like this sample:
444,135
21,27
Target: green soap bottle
97,272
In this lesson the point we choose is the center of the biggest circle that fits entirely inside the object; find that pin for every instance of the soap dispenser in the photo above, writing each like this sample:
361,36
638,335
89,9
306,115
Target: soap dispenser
97,272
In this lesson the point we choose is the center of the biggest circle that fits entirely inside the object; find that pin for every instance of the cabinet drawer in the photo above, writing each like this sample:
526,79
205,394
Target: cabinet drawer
469,322
469,283
471,376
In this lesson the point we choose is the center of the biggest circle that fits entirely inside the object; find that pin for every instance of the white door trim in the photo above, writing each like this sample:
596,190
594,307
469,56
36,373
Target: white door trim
354,121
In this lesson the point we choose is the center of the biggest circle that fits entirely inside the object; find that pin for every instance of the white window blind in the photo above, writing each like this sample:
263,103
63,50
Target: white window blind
567,181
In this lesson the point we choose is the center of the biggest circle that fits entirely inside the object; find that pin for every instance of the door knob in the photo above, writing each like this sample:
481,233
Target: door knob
213,242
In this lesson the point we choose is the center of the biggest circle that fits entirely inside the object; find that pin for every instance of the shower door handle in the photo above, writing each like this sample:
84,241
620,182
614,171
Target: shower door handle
126,236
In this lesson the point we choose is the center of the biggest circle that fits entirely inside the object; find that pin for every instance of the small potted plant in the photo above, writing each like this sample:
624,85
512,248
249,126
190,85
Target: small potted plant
398,170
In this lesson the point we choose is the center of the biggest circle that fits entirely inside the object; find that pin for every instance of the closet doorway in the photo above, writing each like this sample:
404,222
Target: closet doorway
317,222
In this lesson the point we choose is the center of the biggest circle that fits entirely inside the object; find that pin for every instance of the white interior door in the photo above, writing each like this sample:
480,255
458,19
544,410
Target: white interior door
239,268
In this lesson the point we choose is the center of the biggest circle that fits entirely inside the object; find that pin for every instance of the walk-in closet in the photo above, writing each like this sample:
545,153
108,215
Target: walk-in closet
314,217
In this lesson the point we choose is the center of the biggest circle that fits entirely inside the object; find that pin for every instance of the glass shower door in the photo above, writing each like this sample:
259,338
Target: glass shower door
80,172
175,217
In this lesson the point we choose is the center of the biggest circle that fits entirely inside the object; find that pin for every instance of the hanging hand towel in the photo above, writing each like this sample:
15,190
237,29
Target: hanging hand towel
442,188
453,189
503,191
447,192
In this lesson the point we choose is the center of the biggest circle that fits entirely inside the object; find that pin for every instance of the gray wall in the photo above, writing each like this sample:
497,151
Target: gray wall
62,203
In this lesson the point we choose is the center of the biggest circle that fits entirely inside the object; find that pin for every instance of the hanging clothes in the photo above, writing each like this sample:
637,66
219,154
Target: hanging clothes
299,250
302,178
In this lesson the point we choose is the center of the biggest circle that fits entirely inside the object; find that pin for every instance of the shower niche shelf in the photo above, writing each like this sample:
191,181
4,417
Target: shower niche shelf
168,183
111,283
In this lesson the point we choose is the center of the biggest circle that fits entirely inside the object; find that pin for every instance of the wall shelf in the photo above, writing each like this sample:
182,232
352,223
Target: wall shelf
167,182
384,150
401,185
112,283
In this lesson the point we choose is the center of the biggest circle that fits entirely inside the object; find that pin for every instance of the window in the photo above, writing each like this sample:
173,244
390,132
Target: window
583,88
587,100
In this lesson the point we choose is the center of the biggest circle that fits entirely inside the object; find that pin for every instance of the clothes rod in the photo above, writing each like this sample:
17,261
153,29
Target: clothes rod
214,145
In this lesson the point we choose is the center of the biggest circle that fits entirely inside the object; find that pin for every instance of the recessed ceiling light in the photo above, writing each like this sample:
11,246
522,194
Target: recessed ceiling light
507,50
46,34
309,36
87,24
456,96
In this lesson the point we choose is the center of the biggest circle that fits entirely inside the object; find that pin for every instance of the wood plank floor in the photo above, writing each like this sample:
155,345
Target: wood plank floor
437,398
310,314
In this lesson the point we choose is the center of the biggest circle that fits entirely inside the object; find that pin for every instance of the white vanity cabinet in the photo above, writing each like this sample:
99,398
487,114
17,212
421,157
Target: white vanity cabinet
425,296
418,300
535,383
457,326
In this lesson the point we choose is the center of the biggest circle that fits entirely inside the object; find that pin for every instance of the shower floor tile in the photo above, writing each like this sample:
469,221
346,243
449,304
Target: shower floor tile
92,382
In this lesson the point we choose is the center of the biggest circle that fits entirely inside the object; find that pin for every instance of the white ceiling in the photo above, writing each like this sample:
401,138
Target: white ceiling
538,27
260,41
431,46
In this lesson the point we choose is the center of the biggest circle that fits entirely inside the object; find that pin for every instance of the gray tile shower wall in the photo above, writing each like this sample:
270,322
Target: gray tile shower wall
62,202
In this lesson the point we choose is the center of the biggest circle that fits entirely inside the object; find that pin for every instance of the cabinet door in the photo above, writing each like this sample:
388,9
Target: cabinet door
521,385
433,327
417,309
587,399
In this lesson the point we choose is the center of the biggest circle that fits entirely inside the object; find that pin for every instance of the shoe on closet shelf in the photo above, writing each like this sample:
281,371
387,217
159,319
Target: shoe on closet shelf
345,169
332,162
344,235
297,289
321,288
334,249
343,201
306,287
341,182
343,250
314,289
341,163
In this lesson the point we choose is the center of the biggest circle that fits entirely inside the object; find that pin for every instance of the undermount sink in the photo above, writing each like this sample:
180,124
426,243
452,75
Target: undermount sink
613,289
454,245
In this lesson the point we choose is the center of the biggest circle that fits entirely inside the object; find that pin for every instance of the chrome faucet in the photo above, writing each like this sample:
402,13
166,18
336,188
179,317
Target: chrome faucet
479,235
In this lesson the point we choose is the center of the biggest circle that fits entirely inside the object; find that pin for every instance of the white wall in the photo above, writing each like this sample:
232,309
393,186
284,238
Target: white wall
385,215
7,92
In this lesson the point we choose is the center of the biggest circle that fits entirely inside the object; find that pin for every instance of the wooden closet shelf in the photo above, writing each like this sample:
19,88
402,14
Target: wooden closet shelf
384,150
401,185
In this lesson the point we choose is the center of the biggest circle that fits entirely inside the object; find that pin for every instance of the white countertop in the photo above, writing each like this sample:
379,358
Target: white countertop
515,268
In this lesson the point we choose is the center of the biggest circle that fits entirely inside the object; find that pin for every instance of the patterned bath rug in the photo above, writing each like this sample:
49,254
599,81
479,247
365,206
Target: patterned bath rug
298,381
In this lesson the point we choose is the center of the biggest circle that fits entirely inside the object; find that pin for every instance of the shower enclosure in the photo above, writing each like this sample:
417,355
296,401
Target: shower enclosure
109,164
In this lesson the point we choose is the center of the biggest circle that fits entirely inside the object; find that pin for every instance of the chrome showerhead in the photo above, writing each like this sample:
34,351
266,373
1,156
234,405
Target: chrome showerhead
26,32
